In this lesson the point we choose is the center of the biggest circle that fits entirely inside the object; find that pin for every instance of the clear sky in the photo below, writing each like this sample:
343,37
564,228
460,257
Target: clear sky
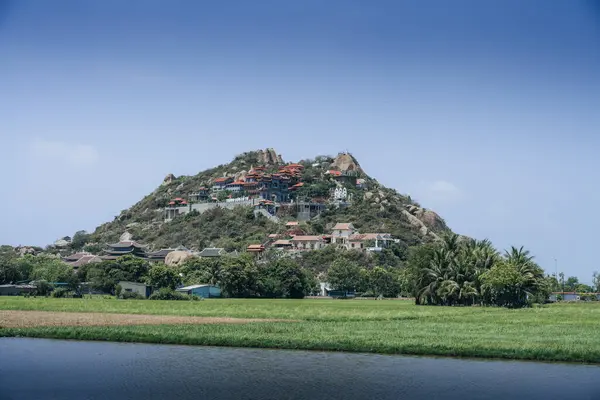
487,112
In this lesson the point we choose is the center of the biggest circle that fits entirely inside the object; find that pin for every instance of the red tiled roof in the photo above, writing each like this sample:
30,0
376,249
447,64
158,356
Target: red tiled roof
335,173
292,223
282,242
171,203
219,180
255,247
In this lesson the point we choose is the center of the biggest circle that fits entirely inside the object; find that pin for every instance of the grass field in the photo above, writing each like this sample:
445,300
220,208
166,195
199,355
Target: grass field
561,332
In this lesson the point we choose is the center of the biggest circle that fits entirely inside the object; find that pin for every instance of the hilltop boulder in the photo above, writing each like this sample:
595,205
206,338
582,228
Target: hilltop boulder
168,179
345,162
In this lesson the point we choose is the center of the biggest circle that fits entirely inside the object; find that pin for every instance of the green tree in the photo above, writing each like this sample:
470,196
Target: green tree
239,276
596,281
105,275
161,276
80,238
284,278
201,270
344,275
384,282
571,284
46,268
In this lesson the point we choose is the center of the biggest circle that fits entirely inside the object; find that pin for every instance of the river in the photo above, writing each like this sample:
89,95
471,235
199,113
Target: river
54,369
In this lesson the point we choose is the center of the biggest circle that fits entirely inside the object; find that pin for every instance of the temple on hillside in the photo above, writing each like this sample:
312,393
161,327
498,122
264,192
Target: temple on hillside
131,247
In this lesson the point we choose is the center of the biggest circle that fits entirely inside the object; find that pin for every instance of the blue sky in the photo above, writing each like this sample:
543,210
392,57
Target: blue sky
486,112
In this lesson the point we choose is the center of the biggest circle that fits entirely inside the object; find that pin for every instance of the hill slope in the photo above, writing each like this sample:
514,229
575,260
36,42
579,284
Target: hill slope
359,199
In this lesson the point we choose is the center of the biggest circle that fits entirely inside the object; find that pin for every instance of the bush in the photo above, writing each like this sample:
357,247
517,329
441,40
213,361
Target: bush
60,292
118,291
168,294
131,296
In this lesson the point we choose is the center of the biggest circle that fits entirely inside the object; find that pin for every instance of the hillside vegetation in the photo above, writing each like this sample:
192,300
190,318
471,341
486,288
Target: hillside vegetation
373,208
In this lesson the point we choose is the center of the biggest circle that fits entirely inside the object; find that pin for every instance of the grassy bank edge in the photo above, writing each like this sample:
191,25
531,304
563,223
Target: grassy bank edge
176,335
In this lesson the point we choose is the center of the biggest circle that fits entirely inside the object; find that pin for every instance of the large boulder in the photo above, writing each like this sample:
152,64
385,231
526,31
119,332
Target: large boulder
168,179
345,162
269,157
177,257
126,237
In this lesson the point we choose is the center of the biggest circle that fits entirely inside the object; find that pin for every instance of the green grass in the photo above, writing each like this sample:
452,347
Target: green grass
561,332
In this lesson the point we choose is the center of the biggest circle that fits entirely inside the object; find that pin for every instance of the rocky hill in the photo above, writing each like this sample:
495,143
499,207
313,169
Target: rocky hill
335,189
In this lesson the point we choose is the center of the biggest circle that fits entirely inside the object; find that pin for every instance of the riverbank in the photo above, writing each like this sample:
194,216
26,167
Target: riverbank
561,332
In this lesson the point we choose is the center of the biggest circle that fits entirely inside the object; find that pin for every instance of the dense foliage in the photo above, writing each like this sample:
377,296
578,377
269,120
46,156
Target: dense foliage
467,272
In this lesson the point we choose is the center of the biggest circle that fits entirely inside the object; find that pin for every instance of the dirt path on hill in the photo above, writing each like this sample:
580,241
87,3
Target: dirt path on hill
32,319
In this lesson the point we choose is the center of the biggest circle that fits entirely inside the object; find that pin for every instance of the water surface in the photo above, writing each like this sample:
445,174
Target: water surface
54,369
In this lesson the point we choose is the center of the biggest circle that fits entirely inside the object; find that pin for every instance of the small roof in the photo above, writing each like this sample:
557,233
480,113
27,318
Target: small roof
292,223
186,288
222,179
334,173
343,226
127,243
282,242
88,259
256,247
133,283
76,256
160,253
306,238
212,252
273,235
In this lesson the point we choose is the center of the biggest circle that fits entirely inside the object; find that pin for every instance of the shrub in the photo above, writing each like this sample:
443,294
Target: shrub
118,290
168,294
60,292
131,296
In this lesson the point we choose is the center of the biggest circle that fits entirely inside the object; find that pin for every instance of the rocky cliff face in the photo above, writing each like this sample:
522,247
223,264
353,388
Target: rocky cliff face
269,157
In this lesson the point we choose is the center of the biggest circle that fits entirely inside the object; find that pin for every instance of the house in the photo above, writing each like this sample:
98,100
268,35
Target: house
291,224
361,183
204,290
141,288
282,244
200,196
122,248
221,183
342,232
212,252
256,249
307,242
161,254
360,240
236,186
16,290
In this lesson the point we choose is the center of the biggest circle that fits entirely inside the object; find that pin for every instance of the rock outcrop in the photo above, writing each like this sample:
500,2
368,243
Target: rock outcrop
177,257
345,162
269,157
427,219
168,179
126,237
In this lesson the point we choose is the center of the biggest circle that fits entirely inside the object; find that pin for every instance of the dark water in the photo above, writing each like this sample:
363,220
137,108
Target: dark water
52,369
